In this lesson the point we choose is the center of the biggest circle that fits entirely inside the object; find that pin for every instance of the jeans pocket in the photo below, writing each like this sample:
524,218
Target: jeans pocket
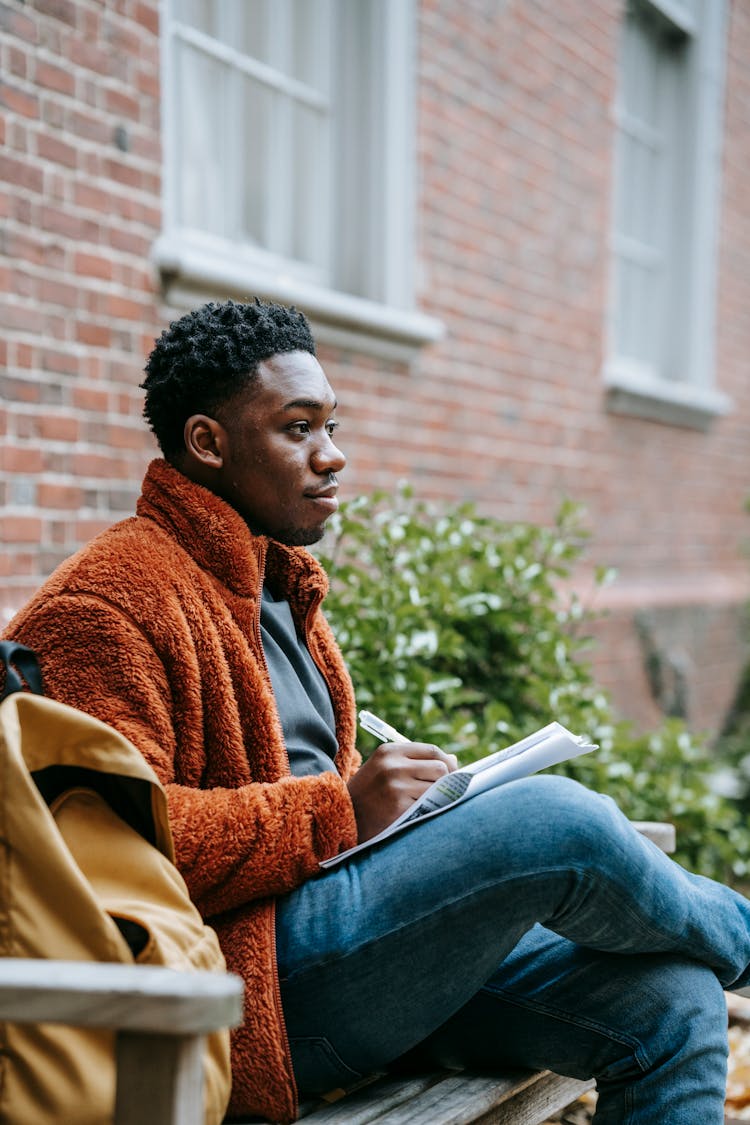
317,1066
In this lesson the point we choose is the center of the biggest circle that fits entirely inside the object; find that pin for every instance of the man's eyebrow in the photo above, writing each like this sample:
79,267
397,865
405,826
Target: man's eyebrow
307,404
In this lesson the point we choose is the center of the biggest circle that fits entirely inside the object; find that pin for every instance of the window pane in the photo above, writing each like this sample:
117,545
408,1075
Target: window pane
197,13
200,84
254,29
649,207
311,29
310,197
255,134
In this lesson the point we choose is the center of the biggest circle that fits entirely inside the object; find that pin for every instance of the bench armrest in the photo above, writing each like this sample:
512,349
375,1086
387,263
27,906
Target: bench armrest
160,1018
660,832
119,997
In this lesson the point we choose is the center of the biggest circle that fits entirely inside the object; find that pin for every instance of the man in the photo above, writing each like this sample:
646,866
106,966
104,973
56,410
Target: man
529,926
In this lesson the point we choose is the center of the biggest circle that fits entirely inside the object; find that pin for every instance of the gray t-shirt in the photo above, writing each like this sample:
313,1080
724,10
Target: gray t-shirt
302,698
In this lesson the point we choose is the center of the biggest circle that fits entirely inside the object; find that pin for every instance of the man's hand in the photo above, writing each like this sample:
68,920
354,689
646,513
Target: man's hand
391,780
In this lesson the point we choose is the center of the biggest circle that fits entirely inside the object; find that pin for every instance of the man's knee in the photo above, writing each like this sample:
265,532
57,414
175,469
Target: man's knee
560,814
688,1013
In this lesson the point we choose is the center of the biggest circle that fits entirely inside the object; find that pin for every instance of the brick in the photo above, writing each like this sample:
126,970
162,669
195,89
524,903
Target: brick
55,427
51,77
147,15
59,496
122,308
21,174
121,104
97,335
58,293
63,10
60,362
17,24
56,150
63,222
88,124
17,101
99,466
21,529
91,400
20,458
125,437
87,529
92,265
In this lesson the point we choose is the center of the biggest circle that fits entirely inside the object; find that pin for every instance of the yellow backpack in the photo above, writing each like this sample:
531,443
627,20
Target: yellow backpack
86,873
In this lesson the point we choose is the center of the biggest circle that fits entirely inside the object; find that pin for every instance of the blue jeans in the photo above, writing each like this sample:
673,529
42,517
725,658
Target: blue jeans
532,926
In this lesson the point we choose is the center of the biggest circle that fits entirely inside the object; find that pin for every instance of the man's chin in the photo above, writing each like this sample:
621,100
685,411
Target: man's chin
300,536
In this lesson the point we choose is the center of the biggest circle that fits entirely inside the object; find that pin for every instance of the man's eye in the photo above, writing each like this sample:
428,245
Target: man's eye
299,428
332,425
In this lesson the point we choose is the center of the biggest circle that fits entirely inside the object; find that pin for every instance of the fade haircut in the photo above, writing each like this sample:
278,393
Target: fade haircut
206,357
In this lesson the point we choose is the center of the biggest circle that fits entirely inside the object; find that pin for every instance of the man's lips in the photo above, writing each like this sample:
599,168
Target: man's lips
326,497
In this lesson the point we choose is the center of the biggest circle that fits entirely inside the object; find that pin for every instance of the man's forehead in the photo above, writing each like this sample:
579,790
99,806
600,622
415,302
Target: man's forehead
293,380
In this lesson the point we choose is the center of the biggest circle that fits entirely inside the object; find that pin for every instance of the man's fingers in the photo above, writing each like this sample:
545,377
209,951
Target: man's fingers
423,751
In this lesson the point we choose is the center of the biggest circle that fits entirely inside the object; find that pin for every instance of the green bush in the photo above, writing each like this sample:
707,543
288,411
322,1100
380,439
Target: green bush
456,632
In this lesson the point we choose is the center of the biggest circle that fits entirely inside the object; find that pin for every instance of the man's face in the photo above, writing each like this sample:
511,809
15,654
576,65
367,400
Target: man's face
280,467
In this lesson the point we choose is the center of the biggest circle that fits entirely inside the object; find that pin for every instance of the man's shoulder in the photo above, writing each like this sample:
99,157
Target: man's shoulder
136,546
132,563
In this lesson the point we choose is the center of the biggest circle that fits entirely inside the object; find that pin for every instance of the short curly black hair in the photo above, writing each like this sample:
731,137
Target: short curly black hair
203,359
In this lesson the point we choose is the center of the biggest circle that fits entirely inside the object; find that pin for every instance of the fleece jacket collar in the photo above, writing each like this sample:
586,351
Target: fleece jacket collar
220,542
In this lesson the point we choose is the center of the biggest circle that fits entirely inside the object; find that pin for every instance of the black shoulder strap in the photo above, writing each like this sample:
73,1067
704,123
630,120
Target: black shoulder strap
19,670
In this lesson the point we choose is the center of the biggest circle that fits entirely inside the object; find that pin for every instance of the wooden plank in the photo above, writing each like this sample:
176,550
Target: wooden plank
453,1098
532,1106
130,997
363,1105
462,1099
159,1078
450,1098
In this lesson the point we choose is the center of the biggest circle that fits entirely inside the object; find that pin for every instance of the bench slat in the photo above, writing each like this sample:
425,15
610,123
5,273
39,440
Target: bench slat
453,1098
132,997
362,1106
532,1106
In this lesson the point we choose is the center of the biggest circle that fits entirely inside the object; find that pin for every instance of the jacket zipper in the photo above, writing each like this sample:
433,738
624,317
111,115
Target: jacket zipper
274,963
280,1013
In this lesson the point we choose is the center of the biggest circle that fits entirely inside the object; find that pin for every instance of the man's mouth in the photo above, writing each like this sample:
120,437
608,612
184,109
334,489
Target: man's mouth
325,497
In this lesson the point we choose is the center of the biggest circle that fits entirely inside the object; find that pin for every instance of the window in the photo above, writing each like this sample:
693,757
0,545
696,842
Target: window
667,166
289,151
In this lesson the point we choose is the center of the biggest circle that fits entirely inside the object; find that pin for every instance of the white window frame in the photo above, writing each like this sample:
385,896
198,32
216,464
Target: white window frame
686,395
197,266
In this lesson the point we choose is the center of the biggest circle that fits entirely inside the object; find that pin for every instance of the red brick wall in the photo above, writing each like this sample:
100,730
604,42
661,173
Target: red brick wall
81,166
514,179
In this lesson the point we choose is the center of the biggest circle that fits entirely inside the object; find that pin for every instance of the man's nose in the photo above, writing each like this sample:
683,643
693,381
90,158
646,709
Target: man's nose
328,458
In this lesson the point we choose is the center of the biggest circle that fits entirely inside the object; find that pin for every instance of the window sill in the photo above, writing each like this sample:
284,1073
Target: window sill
191,275
644,395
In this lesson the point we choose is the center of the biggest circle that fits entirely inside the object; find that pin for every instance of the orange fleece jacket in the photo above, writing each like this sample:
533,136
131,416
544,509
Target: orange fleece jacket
154,629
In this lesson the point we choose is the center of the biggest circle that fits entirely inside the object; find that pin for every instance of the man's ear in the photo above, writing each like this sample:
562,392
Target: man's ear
205,442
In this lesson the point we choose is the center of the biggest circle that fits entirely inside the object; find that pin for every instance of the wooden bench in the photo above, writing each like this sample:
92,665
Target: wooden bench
160,1017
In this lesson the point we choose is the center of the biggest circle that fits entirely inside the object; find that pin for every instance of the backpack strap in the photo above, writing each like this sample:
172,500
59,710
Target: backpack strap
19,670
